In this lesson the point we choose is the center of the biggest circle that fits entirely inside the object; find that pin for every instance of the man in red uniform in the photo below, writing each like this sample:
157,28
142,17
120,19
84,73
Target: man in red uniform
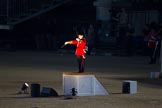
81,49
152,45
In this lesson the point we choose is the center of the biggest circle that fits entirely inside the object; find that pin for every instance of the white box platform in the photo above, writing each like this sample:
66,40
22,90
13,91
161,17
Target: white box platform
84,83
129,86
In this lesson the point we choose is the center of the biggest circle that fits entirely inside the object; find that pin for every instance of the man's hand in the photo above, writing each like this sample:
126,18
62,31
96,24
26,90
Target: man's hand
66,43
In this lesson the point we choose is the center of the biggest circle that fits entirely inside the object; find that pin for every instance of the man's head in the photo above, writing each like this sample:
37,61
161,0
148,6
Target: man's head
80,36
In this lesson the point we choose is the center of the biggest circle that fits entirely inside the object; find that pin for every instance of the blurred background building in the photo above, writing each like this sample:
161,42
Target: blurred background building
46,24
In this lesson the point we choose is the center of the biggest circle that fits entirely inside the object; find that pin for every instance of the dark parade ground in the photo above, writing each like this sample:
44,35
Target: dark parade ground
46,68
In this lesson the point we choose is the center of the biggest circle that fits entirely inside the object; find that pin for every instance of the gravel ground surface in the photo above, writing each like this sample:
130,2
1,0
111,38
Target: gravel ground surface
47,68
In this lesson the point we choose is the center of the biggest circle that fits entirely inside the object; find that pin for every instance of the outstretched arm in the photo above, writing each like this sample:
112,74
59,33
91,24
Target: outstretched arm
67,42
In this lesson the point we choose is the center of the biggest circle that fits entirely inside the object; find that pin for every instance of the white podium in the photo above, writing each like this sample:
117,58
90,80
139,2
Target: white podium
85,84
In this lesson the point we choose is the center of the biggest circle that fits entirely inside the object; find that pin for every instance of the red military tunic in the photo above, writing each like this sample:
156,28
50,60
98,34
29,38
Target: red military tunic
152,39
81,45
